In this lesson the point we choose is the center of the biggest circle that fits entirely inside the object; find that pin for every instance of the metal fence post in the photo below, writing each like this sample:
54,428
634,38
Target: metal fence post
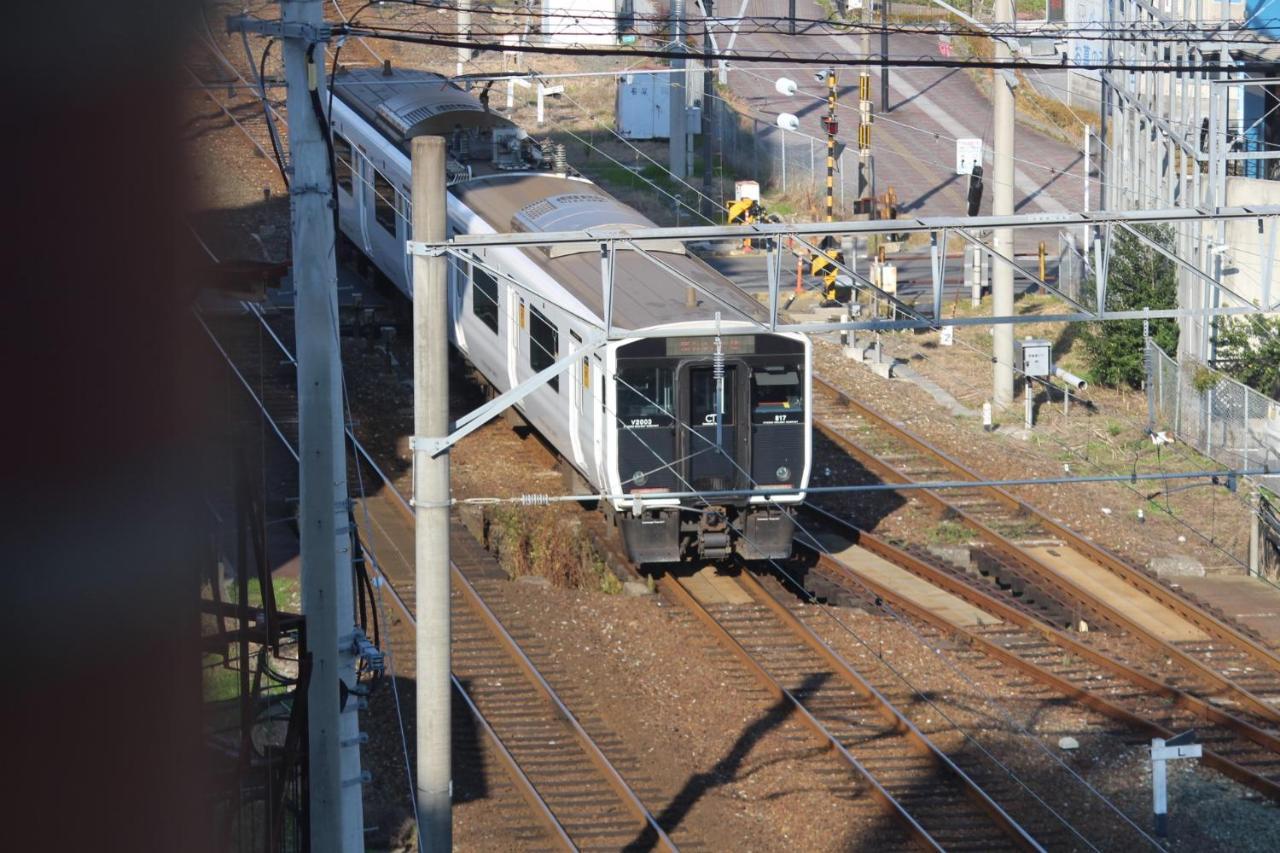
755,143
1247,395
1207,420
784,159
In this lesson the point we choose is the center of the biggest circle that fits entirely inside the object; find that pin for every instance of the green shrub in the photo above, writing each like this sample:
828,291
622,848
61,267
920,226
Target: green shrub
1139,277
1248,350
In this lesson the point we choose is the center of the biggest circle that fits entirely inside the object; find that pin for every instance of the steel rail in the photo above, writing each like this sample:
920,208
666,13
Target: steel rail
519,779
675,590
585,741
845,574
895,717
1189,611
225,109
1070,589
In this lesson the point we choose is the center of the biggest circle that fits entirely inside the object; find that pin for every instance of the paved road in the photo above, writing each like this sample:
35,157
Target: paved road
912,143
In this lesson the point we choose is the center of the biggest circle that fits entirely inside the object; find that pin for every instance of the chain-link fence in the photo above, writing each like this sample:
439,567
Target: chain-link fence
1213,413
784,160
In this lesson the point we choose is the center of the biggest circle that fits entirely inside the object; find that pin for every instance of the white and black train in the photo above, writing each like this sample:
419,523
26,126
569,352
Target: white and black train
641,417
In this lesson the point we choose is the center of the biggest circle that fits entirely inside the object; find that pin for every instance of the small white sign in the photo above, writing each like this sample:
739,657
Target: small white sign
1172,753
968,155
948,336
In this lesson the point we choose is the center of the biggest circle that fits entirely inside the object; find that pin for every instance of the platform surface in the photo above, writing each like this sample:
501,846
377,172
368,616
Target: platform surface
1250,601
918,591
1154,617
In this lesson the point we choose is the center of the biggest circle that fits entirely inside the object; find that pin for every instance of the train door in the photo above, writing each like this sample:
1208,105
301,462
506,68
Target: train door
595,367
579,377
404,224
515,327
713,449
345,165
364,176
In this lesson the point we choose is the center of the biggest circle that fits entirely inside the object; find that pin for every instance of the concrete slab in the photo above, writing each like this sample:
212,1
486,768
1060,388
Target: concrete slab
919,592
1074,568
709,587
1251,601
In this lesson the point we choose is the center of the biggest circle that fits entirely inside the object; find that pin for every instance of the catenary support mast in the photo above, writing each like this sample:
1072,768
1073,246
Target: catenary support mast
1002,205
431,499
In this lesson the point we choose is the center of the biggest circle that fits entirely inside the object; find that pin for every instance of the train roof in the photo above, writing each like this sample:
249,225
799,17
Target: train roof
406,102
645,294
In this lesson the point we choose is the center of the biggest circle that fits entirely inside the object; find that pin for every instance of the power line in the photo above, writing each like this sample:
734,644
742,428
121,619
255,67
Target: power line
1207,30
824,58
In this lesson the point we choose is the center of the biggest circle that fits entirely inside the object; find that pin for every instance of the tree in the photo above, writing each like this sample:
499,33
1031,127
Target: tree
1138,277
1249,350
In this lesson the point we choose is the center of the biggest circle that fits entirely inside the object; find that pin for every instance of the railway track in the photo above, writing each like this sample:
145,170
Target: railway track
1058,574
934,801
1052,658
234,90
573,790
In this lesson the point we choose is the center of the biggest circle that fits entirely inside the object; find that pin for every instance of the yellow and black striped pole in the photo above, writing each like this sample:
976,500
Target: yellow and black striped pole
832,128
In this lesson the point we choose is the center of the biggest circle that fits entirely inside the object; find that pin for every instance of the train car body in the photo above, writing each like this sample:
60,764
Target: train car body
643,417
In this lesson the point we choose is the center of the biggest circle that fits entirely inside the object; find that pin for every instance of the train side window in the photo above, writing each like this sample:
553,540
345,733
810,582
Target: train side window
343,163
484,298
544,345
384,203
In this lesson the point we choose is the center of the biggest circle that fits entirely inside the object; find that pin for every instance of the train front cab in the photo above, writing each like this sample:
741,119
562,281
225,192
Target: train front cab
675,435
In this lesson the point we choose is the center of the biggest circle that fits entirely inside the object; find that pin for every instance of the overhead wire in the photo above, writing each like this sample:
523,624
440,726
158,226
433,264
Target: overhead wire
1207,30
467,41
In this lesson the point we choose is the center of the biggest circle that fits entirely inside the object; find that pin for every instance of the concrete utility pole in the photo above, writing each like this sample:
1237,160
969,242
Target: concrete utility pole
464,31
707,55
1002,205
884,51
337,817
431,499
676,103
1104,116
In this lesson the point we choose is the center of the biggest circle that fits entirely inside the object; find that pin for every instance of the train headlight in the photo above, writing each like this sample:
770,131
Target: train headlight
639,478
783,473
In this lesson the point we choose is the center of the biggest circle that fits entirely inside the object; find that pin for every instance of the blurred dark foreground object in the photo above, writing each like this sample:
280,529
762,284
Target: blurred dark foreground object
104,408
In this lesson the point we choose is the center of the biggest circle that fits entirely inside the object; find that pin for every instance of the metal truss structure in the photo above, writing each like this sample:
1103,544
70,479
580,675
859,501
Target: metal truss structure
611,240
807,235
1178,135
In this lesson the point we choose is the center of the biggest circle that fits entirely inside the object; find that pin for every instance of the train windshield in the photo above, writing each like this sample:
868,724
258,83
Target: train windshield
646,396
777,395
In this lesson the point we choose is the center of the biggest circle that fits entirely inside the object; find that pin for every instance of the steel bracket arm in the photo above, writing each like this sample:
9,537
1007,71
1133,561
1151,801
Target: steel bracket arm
469,423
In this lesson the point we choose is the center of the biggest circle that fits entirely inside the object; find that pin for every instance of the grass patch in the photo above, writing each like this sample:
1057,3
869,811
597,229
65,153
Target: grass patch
547,542
220,682
288,593
950,533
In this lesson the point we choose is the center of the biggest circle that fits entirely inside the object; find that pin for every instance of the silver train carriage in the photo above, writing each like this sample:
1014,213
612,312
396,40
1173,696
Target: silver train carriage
642,416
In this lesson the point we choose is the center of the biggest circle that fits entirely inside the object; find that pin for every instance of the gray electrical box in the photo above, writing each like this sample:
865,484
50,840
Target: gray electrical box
1033,357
